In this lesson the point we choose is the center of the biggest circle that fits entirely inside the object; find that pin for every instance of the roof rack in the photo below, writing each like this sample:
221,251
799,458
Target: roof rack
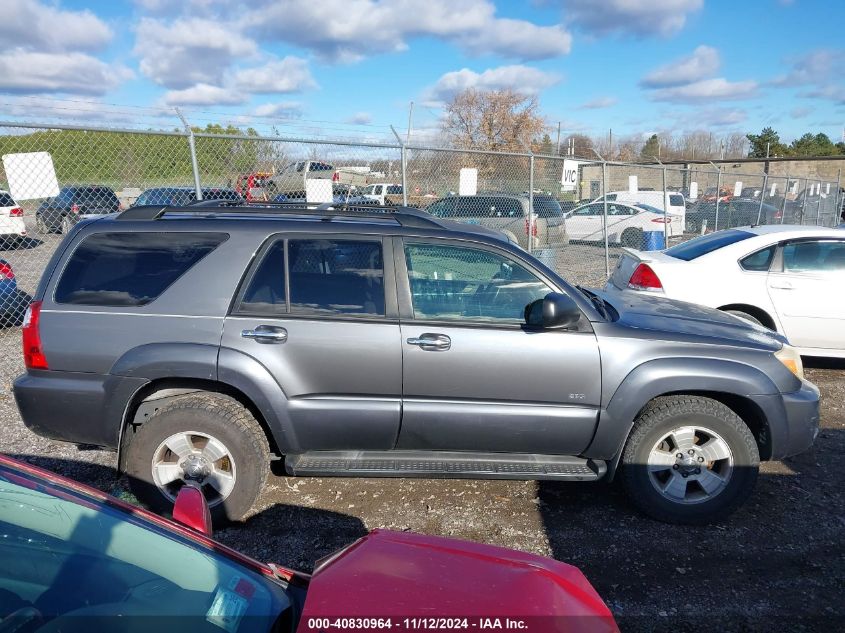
405,216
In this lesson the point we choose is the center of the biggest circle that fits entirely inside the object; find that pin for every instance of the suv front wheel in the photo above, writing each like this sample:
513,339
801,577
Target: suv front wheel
689,460
205,437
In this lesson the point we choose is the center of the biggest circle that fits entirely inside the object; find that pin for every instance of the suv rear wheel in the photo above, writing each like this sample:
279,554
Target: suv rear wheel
689,460
208,438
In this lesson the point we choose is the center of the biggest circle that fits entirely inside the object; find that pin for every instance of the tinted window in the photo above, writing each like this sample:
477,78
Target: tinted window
591,209
394,189
676,200
442,208
266,291
706,244
66,196
336,277
130,269
545,207
457,283
759,261
814,256
6,200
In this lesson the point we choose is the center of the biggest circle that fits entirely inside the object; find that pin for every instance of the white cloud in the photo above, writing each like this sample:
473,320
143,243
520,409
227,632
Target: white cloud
44,27
800,112
642,18
600,102
348,30
33,73
702,63
821,70
719,117
188,51
718,89
523,79
282,110
289,74
360,118
204,95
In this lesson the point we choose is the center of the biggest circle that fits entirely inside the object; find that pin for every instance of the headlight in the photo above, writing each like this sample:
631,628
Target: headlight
791,359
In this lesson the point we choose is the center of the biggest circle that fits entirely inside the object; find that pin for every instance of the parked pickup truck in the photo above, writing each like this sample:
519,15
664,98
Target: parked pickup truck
291,180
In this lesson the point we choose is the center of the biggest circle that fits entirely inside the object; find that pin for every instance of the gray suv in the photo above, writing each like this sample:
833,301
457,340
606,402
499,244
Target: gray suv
201,342
508,213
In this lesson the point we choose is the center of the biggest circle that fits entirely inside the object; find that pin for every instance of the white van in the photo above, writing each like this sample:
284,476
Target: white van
671,202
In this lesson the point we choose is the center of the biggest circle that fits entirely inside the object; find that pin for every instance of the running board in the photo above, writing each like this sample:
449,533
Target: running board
444,465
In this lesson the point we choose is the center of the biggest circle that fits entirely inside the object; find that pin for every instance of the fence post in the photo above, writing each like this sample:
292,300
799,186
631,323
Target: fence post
665,212
785,193
604,219
762,196
193,149
819,205
404,155
531,202
804,201
837,205
718,195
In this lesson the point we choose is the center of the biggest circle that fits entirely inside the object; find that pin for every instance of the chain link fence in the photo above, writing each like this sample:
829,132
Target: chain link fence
575,215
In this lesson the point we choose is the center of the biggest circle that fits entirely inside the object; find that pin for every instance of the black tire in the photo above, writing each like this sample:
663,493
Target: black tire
214,415
40,227
660,417
632,238
745,316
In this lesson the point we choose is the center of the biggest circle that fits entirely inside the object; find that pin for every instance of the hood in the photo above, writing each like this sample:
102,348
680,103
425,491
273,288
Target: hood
678,319
399,574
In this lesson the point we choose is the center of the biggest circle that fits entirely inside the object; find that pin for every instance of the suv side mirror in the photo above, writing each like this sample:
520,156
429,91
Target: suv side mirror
191,509
553,312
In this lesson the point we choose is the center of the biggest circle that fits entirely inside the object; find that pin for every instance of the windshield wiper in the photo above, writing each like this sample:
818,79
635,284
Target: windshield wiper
600,304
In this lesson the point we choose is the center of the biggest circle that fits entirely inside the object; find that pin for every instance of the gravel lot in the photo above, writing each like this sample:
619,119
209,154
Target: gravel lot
778,562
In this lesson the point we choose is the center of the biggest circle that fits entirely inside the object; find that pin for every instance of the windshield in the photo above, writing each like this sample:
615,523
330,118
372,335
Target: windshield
73,559
699,246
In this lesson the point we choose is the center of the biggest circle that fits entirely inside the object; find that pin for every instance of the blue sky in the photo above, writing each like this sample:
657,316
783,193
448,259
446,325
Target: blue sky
350,67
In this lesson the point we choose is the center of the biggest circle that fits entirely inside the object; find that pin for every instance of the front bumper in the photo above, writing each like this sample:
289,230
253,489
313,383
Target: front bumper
793,419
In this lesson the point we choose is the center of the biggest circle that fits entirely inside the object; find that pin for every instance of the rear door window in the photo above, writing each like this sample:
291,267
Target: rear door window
343,277
130,269
696,247
6,200
676,200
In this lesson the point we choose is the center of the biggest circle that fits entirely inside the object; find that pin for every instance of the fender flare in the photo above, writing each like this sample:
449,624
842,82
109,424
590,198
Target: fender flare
672,376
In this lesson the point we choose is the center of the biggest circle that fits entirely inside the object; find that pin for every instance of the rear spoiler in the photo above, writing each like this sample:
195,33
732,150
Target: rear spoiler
637,254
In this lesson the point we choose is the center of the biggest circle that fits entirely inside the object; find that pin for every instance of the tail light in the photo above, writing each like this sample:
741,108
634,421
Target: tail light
335,177
778,215
33,354
533,230
74,208
16,212
6,271
644,278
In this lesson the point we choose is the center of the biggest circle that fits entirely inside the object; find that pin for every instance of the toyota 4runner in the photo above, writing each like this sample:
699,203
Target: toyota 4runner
201,342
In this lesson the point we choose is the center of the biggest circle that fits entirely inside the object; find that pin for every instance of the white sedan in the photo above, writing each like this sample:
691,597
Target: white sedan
786,278
625,222
11,218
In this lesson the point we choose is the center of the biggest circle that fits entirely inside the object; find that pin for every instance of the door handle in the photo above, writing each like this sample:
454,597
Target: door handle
435,342
266,334
780,285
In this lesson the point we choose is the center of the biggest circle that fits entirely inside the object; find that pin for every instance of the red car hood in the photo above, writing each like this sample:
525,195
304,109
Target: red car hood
398,575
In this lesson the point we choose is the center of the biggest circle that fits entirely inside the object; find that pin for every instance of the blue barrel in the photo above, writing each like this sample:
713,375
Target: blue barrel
654,240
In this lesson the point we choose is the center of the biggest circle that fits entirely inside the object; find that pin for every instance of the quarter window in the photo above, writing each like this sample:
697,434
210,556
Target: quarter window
759,261
467,284
130,269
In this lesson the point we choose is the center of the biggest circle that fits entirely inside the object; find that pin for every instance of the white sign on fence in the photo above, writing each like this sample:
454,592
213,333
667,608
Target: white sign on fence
738,188
774,190
693,190
468,181
569,177
632,184
827,188
31,175
318,190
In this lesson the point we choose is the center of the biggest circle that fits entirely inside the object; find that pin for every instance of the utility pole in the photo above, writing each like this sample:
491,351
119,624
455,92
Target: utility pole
558,139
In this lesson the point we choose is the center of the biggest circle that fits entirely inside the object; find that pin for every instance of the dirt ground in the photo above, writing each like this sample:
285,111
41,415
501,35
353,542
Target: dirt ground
778,562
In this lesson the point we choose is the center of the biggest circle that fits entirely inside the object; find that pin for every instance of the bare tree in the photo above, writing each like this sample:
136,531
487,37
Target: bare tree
493,120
